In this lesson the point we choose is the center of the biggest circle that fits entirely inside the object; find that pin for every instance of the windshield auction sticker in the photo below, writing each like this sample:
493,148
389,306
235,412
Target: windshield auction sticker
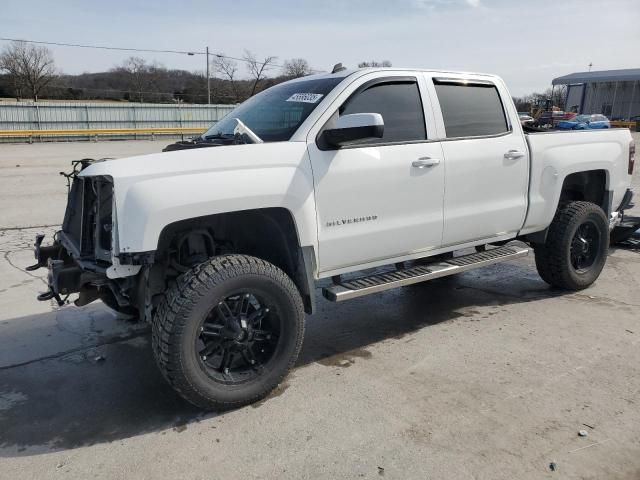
305,97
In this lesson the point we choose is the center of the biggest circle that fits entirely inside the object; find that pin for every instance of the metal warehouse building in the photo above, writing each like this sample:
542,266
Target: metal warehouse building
614,93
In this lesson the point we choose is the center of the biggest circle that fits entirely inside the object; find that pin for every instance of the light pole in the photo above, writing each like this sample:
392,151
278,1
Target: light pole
208,80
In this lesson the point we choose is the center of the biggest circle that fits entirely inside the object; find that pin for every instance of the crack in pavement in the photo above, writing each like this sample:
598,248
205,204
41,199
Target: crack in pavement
110,341
8,229
18,285
83,336
597,299
6,257
16,241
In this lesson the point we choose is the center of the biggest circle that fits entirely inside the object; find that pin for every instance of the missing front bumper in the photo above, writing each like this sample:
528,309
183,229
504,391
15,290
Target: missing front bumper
65,274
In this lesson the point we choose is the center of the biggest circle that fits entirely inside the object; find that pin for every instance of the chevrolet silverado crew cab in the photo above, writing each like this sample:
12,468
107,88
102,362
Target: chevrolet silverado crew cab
220,242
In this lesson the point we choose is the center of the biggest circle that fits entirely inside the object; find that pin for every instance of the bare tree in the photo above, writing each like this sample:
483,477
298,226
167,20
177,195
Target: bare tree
136,68
9,64
157,76
538,102
31,67
374,63
142,76
228,69
559,97
296,67
257,68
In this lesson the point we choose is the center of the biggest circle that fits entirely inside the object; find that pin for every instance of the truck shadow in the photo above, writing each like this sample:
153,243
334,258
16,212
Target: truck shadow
106,387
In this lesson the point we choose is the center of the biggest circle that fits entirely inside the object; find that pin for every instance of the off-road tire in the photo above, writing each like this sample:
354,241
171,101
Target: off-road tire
187,302
553,258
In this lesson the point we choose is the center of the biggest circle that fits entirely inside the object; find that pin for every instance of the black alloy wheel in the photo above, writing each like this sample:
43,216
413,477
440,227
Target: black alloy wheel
585,246
238,338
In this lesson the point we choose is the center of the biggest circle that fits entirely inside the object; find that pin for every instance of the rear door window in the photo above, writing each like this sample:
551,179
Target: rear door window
471,110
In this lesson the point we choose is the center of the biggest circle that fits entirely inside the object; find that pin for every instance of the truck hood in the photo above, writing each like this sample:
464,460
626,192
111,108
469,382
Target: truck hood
201,160
153,191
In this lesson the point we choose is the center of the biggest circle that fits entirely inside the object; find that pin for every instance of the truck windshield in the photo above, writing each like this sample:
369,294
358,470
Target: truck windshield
275,114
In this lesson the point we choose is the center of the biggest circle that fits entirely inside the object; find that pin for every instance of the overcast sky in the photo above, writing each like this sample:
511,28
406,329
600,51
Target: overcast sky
526,42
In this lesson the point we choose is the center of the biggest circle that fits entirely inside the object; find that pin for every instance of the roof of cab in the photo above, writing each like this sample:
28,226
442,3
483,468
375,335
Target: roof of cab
347,72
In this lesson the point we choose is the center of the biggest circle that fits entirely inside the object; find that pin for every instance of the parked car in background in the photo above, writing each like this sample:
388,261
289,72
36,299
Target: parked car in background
525,118
584,122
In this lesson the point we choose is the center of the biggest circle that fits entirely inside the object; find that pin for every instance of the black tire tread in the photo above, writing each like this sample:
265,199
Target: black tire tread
551,262
172,313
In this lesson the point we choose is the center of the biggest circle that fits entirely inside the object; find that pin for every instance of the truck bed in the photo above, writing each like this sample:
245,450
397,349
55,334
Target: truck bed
556,154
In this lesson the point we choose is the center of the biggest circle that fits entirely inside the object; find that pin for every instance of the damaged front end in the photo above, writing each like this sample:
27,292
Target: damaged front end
66,276
81,256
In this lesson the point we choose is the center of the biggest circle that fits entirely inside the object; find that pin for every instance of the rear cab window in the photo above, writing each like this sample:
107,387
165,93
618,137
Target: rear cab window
471,109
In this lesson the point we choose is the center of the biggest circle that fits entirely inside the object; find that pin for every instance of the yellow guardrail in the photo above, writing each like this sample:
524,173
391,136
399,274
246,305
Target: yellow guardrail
87,132
623,124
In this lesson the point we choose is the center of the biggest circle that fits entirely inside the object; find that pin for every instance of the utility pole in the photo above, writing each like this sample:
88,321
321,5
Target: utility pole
590,65
208,80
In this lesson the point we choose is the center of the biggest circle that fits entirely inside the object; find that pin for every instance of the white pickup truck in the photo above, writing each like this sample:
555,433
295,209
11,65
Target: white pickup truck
219,244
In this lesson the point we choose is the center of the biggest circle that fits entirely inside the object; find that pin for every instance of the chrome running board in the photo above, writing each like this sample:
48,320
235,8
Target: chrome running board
346,290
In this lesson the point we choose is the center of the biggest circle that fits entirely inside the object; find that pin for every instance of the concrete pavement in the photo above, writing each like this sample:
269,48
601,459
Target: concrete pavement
488,375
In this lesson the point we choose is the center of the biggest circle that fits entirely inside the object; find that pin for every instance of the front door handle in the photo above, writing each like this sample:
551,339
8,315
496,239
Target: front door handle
513,154
425,162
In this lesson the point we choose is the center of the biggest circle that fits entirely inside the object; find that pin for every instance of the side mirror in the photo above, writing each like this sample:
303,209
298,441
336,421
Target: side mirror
356,126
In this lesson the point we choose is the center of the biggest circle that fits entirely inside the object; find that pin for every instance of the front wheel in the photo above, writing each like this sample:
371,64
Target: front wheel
228,332
575,250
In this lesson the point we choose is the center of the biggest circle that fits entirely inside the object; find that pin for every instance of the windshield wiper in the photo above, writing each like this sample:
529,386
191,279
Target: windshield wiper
242,130
219,136
241,133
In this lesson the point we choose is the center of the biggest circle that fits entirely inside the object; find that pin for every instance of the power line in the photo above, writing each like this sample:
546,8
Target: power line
103,47
131,49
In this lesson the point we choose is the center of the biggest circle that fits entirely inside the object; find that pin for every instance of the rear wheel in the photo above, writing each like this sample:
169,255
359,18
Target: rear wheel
229,330
575,250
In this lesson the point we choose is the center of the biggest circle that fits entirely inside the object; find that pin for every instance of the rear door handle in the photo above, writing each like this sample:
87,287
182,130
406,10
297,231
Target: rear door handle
513,154
425,162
